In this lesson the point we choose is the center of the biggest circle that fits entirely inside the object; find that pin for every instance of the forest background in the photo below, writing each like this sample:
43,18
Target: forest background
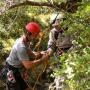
75,67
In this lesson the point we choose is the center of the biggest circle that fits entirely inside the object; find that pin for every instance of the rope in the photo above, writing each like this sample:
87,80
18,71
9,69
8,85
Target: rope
28,85
43,69
39,77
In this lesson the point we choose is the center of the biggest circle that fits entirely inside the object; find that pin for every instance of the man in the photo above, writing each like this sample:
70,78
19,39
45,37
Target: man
58,41
20,56
55,36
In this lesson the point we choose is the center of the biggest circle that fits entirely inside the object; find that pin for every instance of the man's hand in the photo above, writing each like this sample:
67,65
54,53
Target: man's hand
49,51
45,57
38,55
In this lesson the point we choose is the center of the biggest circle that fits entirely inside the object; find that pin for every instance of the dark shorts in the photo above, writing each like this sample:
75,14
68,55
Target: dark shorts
20,84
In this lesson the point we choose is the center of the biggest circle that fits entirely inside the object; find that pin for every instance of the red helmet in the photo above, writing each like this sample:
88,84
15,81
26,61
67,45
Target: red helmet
33,27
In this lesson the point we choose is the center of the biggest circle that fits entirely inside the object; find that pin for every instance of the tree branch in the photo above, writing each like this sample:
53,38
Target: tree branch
61,6
32,3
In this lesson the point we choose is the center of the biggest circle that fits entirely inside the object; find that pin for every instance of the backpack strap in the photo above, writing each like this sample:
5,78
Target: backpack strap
56,33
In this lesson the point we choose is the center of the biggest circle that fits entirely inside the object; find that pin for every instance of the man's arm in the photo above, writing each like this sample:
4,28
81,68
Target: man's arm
51,43
27,60
34,55
31,64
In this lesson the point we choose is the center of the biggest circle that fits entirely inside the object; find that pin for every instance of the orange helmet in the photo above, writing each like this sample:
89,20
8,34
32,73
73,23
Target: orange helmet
33,28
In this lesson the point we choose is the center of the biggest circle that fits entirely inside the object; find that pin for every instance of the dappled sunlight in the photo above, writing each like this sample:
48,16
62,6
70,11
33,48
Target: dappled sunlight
68,71
8,44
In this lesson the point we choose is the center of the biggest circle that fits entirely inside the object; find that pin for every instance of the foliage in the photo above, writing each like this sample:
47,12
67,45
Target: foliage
74,65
